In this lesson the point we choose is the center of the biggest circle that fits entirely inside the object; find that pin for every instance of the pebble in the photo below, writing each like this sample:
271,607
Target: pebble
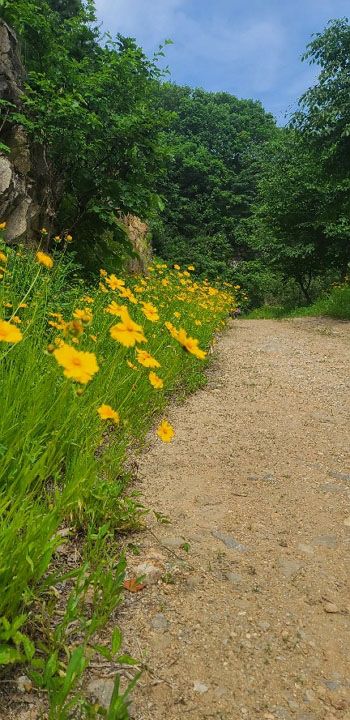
102,690
149,572
173,542
24,684
200,687
229,541
159,622
347,522
289,568
329,541
339,475
330,607
234,578
307,549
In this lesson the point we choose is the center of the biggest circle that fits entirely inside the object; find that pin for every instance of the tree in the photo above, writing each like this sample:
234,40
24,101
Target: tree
211,182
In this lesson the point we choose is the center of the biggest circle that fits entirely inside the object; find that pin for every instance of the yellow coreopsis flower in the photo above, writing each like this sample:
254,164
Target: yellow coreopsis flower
127,332
165,431
114,282
2,226
106,412
103,288
115,309
9,333
131,365
165,282
191,267
44,259
85,315
177,267
3,258
69,238
78,365
155,380
145,359
150,312
126,293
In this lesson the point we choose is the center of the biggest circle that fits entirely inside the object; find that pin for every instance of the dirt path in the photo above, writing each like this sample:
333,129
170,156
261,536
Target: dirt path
254,621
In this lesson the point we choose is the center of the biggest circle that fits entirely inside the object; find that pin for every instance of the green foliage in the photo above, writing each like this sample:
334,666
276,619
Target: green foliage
211,181
89,102
334,304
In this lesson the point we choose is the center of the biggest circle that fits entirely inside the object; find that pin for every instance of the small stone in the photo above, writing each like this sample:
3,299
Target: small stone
332,684
309,696
330,607
289,568
329,541
229,541
347,522
159,622
339,475
24,684
234,578
200,687
102,690
307,549
173,542
268,716
293,706
149,572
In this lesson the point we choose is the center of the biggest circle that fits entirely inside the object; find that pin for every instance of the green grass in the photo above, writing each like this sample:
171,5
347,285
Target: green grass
336,305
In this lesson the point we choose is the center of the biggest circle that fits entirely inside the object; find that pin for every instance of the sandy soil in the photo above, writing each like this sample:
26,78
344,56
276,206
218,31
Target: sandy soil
254,620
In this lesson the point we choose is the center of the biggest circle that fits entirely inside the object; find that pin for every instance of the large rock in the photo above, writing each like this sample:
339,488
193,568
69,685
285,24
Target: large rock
24,174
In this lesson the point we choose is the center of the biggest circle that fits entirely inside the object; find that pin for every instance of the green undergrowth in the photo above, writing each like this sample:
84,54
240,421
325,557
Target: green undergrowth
336,304
85,372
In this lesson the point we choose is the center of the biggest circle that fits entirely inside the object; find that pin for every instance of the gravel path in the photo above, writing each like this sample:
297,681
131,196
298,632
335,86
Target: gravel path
254,620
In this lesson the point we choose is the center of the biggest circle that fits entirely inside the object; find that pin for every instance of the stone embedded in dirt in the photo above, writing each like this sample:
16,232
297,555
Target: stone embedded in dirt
307,549
229,541
345,477
102,690
329,541
331,487
24,684
159,622
234,578
200,687
289,568
347,522
173,542
330,607
149,572
332,684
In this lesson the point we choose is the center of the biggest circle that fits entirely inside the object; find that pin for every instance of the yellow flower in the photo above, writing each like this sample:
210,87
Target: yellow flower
103,273
16,320
197,322
191,267
103,288
213,291
93,337
236,287
8,305
23,305
106,412
69,238
177,314
88,299
78,365
114,282
150,312
2,226
126,293
43,231
127,332
155,380
44,259
165,431
145,359
187,274
188,343
9,333
3,257
177,267
114,309
85,315
57,238
165,282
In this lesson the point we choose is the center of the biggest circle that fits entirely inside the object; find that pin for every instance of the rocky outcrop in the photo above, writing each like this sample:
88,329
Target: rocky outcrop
139,237
24,173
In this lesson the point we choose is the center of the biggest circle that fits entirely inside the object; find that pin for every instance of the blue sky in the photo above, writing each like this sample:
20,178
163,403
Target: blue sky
250,48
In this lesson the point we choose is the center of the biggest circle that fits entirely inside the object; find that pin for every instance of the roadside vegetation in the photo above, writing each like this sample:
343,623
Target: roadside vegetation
85,372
